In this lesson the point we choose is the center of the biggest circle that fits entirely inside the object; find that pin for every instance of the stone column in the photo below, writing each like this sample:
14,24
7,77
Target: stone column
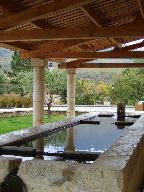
71,89
38,99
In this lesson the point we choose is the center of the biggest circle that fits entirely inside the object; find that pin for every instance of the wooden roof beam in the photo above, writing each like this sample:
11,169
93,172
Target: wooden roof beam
80,62
34,13
12,9
131,47
140,5
48,49
91,16
134,30
89,55
99,65
116,43
16,46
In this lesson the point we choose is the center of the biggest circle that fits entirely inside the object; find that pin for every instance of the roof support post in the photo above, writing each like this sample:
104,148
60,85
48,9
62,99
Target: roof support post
38,98
71,89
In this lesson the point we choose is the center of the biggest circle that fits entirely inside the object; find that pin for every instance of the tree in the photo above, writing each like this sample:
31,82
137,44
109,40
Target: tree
3,83
86,92
103,91
20,76
128,87
21,83
18,64
56,86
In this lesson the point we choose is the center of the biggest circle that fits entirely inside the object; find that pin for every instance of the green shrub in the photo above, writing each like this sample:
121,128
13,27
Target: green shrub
27,101
13,100
3,101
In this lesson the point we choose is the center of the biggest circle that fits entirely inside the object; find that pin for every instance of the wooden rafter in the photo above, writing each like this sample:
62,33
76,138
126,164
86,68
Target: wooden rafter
48,49
131,47
135,29
90,55
74,63
38,24
99,65
141,8
12,9
17,46
34,13
115,42
91,16
123,49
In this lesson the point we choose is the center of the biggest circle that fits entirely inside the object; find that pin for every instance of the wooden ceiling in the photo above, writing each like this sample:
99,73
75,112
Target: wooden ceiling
58,29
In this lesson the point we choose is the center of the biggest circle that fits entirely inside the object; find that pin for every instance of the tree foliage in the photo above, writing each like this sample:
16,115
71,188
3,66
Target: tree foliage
128,87
56,82
103,91
3,83
18,64
21,83
55,86
86,92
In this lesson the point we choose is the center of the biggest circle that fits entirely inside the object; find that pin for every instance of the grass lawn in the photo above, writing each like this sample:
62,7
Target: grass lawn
8,124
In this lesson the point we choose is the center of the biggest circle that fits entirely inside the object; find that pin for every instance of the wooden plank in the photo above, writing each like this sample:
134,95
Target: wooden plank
48,49
36,132
101,65
36,12
18,46
135,29
91,55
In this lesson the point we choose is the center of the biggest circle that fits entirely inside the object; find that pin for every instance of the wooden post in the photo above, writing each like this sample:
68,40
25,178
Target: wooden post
121,110
121,114
71,88
38,99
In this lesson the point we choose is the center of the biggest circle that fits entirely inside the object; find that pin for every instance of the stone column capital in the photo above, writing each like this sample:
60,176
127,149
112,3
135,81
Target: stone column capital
71,71
37,62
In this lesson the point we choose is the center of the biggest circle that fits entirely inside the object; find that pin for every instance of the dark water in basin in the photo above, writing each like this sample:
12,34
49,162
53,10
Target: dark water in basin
88,137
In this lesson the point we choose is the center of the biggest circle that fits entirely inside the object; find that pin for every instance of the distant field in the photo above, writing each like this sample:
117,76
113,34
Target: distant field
8,124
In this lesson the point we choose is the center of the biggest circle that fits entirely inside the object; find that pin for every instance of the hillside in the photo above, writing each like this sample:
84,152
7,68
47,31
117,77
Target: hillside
5,59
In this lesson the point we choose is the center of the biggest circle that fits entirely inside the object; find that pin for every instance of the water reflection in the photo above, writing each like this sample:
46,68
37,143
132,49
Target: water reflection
93,137
89,137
